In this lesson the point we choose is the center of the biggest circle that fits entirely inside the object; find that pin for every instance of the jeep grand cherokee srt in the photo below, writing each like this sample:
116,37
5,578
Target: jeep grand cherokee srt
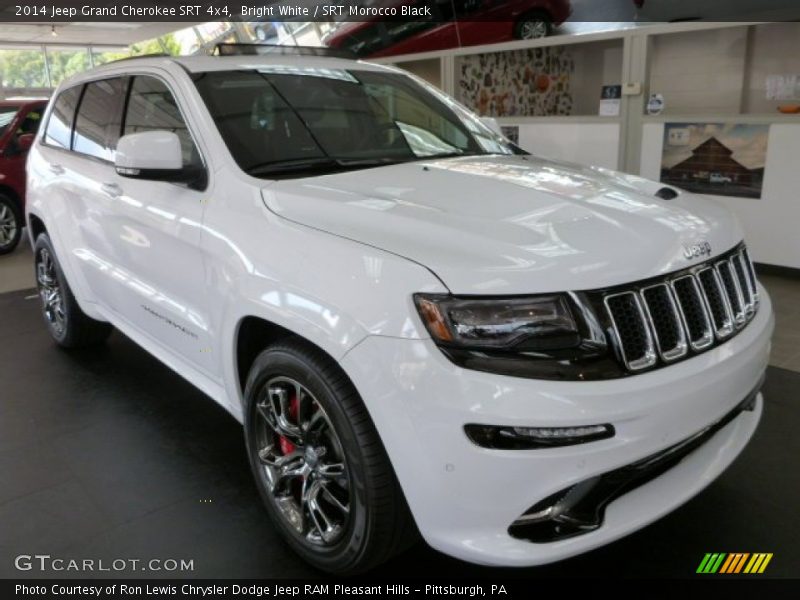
421,327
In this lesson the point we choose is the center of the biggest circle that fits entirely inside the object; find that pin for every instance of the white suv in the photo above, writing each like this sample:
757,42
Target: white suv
421,327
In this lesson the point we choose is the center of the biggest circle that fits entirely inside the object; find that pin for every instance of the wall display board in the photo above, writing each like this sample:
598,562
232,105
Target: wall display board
529,82
724,159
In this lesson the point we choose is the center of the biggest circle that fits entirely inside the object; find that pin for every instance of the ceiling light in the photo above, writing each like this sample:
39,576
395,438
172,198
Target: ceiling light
53,31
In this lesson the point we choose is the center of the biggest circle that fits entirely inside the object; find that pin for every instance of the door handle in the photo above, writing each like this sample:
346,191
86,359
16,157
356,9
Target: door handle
56,169
111,189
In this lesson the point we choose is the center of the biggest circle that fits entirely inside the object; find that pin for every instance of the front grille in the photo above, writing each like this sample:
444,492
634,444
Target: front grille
683,313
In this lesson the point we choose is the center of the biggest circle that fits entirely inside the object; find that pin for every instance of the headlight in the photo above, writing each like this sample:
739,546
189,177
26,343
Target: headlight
552,336
530,324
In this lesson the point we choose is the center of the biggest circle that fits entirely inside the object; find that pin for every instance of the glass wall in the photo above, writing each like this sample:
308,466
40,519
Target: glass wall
65,62
22,68
36,70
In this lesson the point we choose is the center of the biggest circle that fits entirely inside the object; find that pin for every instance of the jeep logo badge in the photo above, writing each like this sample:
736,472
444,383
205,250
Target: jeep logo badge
697,250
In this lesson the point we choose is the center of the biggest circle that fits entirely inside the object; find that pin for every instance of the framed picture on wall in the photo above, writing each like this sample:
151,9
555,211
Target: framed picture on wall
722,159
511,132
610,98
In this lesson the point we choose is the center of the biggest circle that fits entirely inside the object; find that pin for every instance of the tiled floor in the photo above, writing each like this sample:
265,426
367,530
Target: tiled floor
16,269
105,453
16,273
785,295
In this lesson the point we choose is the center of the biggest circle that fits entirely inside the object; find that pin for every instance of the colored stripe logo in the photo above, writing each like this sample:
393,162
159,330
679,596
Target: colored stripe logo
734,563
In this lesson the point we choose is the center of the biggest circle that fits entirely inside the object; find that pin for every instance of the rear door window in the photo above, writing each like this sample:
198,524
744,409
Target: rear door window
59,126
99,121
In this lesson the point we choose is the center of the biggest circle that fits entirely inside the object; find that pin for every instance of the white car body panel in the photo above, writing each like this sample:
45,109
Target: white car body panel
464,497
510,225
336,259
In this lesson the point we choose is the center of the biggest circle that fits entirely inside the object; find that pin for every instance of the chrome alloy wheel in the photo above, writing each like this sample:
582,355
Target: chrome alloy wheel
50,291
303,462
533,30
8,225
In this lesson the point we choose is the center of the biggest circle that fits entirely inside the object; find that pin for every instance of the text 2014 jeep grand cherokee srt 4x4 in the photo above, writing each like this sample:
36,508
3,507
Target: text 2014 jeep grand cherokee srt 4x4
421,327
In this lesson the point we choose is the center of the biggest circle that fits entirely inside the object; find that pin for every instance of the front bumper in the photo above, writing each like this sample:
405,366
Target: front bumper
464,497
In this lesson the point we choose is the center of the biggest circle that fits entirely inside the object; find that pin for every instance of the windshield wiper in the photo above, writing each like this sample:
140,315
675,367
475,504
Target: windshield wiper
291,165
321,163
359,163
451,155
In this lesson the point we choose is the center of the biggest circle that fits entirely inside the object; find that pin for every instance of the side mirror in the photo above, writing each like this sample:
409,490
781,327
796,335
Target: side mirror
155,155
24,142
492,124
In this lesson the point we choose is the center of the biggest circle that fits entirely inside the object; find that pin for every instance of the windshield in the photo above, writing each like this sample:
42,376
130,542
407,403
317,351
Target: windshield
7,114
278,121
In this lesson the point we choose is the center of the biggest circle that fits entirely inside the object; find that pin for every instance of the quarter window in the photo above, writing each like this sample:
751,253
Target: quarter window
152,107
59,126
98,124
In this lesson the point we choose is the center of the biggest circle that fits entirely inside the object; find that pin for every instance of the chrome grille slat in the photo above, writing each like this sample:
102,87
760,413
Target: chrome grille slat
632,330
663,317
717,303
733,292
751,275
737,260
693,312
684,313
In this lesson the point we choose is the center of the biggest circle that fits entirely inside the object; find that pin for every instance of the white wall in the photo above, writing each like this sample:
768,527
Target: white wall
771,224
585,143
429,69
700,72
596,65
774,50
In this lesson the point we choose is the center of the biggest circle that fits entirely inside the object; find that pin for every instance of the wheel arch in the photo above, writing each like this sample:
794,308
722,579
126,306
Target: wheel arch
36,227
255,333
7,190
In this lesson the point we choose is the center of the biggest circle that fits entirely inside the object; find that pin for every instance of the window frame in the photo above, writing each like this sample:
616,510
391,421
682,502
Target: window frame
73,131
126,103
50,110
130,75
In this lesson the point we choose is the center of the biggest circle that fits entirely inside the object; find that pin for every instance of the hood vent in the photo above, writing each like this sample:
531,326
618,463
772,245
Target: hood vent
667,193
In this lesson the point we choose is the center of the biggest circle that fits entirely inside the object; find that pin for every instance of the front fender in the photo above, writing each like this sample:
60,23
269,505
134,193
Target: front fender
331,291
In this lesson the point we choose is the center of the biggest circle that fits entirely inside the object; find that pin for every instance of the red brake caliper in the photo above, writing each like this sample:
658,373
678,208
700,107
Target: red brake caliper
288,447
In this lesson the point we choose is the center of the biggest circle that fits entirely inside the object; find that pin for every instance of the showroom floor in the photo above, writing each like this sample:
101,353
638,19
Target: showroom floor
108,454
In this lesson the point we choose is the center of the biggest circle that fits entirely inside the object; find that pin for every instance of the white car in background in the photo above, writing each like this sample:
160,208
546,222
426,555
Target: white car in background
719,178
421,327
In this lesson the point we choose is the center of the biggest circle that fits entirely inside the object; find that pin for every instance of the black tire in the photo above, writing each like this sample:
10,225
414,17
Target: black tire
11,224
533,25
378,524
67,323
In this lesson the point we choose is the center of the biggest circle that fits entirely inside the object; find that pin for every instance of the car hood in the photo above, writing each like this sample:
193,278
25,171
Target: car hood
511,225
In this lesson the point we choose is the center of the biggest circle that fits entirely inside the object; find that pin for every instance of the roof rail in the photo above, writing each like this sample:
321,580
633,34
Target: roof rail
151,55
229,49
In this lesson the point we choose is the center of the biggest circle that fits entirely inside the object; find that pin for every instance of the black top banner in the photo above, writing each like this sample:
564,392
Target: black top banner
557,11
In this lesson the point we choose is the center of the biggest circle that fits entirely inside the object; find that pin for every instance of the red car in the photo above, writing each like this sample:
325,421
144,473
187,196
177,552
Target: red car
19,122
474,22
